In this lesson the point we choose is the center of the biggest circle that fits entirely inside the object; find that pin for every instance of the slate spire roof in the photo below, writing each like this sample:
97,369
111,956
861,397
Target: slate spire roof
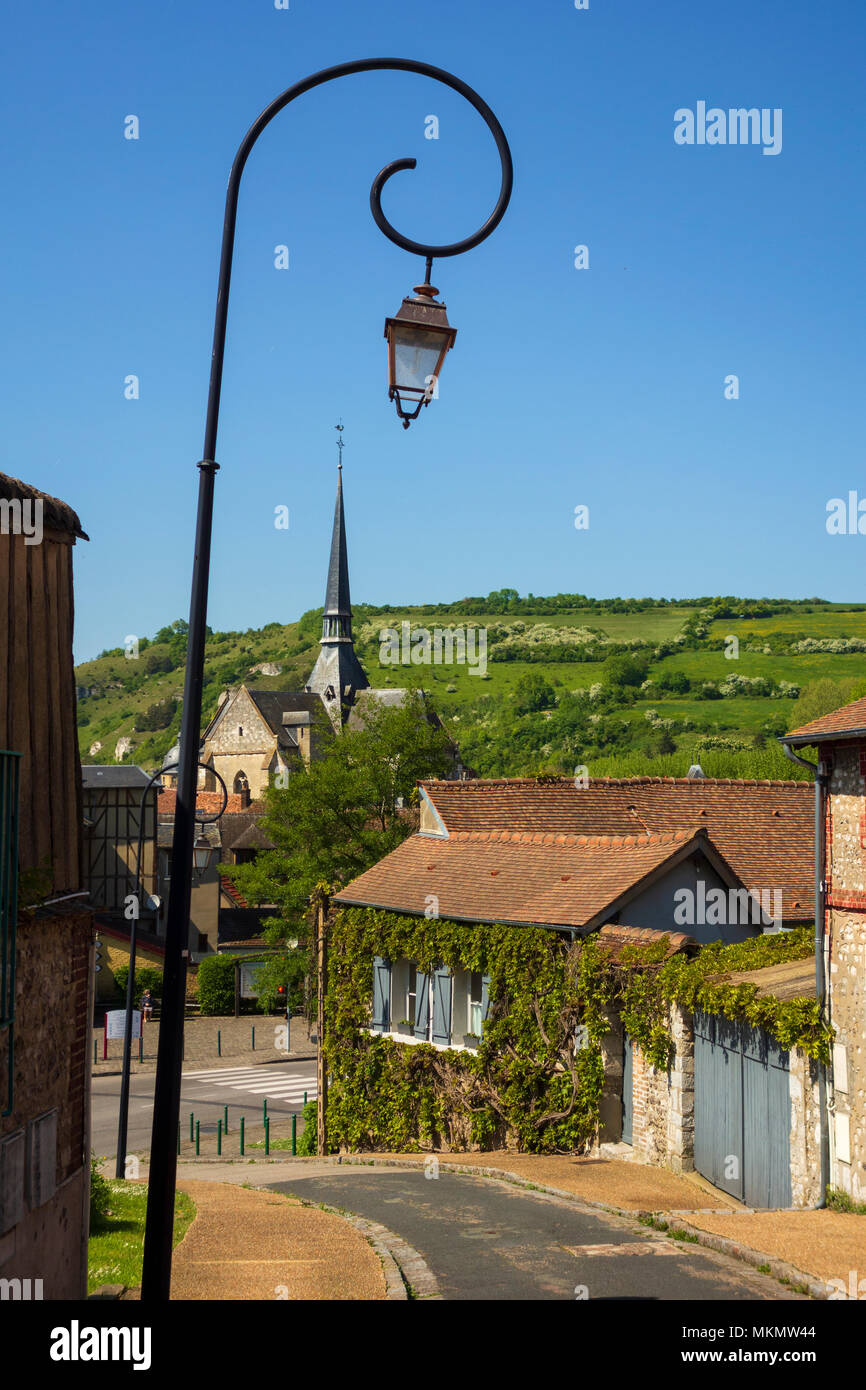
338,674
338,604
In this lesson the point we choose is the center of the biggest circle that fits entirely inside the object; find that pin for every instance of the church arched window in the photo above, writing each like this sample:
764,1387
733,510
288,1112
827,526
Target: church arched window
240,783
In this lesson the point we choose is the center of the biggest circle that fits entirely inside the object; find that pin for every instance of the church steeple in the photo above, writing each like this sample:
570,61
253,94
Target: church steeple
337,618
338,674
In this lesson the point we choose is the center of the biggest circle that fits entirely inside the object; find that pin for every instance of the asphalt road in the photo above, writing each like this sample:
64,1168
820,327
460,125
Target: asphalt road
486,1240
206,1093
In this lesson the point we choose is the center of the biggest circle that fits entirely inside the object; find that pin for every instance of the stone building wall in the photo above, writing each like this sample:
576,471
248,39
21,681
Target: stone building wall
846,914
664,1101
53,1005
805,1130
848,1017
232,752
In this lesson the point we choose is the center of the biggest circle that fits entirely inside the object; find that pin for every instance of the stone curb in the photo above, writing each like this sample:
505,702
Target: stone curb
403,1266
779,1269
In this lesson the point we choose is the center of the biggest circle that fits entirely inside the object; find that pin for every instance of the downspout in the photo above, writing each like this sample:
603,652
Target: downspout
821,780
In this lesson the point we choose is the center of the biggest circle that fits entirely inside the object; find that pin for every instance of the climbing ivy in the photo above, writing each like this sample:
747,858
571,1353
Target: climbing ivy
536,1080
699,983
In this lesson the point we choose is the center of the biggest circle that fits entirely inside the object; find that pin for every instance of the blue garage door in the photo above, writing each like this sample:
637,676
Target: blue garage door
742,1111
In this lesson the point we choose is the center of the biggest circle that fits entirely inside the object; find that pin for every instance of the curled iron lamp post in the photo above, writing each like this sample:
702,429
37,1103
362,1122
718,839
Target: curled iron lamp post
416,359
123,1117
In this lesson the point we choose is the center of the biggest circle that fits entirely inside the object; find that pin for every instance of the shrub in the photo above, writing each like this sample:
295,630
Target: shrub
100,1195
146,977
216,985
307,1145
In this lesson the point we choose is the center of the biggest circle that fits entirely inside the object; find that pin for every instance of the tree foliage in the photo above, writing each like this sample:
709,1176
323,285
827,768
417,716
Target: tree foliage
343,813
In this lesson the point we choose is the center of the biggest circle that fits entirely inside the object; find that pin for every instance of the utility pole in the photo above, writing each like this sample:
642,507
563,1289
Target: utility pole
321,1067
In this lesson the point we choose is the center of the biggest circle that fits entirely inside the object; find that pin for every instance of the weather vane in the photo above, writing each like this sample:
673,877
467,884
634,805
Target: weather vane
340,444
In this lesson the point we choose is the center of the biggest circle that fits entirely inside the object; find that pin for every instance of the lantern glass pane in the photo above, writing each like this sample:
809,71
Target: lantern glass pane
416,354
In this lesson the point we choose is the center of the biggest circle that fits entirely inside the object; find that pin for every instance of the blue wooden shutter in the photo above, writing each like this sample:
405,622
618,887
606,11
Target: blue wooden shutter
442,1006
422,1004
485,999
381,994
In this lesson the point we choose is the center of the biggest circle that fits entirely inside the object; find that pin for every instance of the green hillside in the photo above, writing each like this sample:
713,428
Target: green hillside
622,686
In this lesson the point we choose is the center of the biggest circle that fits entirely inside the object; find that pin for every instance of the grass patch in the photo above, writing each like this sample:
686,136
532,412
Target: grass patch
284,1143
117,1237
840,1201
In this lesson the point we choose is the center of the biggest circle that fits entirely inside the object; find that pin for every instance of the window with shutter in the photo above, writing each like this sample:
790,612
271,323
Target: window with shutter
422,1005
485,1000
442,1006
381,994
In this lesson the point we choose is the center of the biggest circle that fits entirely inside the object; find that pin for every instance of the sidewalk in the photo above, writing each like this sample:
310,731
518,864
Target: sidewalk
212,1042
299,1252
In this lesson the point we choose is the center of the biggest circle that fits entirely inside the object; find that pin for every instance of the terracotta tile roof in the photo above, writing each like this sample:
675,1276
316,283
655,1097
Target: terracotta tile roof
232,892
521,877
764,830
614,937
210,803
850,719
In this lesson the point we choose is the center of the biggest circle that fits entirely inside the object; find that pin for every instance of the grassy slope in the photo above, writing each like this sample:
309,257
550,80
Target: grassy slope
460,695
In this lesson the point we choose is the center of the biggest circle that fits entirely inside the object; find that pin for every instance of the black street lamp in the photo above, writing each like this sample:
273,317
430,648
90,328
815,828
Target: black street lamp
414,360
123,1114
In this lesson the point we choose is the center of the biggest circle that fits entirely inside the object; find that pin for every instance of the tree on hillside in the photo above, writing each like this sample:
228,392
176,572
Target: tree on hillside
623,669
823,696
343,813
533,692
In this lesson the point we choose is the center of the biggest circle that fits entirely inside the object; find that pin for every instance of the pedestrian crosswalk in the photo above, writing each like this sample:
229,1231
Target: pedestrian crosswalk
275,1084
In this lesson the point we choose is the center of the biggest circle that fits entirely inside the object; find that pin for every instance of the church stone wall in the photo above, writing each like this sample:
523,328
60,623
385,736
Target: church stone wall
250,752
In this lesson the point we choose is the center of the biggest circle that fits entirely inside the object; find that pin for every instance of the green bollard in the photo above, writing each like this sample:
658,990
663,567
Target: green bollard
226,1118
219,1043
219,1137
267,1136
265,1111
305,1098
254,1037
242,1136
294,1134
95,1046
191,1127
197,1137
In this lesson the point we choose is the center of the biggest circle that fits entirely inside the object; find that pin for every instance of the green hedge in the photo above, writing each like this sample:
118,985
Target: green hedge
216,985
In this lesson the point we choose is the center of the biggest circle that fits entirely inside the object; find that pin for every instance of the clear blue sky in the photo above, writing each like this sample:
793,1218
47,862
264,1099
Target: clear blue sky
602,387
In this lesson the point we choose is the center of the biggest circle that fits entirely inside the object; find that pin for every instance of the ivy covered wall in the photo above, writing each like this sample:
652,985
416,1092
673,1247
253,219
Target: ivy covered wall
536,1079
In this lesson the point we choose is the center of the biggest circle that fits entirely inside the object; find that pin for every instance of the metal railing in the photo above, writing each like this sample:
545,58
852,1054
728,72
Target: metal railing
9,775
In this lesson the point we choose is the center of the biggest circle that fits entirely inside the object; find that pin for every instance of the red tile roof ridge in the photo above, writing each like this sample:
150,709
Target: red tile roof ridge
546,837
476,784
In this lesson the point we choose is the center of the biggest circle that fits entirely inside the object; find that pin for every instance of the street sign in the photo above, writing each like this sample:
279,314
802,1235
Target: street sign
115,1023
